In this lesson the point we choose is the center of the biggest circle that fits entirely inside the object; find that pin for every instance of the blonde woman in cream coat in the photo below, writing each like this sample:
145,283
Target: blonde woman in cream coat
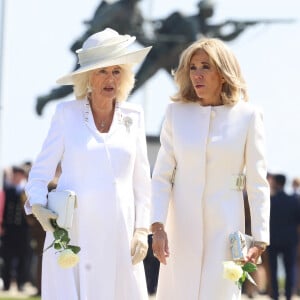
211,140
100,141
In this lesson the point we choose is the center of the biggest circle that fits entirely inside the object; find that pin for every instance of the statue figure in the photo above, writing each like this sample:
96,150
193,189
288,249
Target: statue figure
176,32
123,16
170,36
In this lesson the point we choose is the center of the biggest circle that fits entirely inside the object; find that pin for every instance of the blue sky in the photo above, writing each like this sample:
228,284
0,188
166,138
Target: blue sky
38,34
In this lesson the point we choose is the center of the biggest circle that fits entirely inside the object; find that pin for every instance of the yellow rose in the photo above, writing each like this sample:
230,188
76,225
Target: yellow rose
232,271
67,258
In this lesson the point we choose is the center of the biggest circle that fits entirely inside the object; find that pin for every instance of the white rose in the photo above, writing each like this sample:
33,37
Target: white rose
67,258
232,271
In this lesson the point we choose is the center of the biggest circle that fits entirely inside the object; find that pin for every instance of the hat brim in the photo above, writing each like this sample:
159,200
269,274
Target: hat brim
132,57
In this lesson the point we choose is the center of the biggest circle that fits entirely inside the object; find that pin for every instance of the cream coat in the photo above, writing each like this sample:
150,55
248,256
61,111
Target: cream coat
208,145
111,177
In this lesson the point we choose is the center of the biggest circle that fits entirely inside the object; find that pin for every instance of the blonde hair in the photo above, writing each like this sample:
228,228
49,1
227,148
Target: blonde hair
81,83
233,89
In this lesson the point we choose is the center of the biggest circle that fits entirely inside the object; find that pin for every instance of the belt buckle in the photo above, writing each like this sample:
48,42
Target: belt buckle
239,182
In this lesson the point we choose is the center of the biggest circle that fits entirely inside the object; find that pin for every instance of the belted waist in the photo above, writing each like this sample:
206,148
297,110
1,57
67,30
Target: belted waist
238,182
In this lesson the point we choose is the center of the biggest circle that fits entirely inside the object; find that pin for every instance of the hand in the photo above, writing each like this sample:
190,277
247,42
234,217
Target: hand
44,216
160,245
139,245
254,254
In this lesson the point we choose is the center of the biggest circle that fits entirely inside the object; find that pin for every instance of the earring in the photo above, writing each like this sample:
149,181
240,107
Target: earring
88,89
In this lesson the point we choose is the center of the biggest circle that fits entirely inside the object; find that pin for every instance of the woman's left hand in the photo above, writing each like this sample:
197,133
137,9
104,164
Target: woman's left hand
160,245
254,254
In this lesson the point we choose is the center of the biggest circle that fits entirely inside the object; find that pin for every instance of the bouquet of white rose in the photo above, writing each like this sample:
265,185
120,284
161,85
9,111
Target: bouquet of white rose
238,272
67,253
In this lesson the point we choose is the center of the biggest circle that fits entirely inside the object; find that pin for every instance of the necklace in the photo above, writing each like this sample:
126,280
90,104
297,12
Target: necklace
102,124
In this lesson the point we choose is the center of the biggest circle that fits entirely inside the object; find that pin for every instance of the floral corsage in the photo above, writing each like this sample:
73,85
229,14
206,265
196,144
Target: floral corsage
127,121
238,272
68,257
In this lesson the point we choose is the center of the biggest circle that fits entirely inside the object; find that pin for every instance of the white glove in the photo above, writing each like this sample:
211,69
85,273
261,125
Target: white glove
44,216
139,245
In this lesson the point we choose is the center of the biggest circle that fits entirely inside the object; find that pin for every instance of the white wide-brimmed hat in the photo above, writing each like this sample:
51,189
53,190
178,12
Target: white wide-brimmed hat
103,49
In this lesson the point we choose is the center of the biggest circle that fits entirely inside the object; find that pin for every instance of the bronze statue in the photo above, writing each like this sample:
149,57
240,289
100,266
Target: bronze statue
176,32
170,36
123,16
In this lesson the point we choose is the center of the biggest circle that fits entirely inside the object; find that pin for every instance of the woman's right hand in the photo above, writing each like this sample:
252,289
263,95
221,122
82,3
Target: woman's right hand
160,245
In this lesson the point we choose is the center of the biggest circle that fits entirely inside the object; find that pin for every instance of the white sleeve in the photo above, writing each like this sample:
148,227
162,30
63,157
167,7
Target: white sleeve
256,174
163,172
44,167
141,178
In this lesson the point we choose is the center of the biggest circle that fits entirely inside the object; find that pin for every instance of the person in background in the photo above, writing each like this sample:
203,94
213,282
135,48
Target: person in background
284,221
212,143
100,141
296,187
37,237
15,234
296,194
151,265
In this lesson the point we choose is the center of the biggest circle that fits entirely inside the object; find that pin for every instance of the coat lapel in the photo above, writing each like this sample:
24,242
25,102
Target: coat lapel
119,121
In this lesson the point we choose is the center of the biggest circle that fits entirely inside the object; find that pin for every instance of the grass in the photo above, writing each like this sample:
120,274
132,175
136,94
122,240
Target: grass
13,298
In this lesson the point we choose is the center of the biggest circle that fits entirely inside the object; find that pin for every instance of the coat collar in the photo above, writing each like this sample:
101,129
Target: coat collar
120,119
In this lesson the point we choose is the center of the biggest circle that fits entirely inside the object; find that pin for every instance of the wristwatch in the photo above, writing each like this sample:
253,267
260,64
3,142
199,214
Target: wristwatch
261,245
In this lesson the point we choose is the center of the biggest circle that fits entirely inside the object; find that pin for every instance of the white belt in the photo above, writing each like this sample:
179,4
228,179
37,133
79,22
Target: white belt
238,182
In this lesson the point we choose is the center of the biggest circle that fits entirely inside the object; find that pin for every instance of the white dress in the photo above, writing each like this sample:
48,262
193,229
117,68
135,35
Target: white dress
111,176
209,146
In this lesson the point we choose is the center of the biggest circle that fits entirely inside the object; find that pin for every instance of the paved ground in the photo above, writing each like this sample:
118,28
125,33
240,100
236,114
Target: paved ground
30,290
258,297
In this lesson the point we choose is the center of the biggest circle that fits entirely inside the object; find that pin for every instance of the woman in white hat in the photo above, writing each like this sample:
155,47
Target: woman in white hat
100,142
